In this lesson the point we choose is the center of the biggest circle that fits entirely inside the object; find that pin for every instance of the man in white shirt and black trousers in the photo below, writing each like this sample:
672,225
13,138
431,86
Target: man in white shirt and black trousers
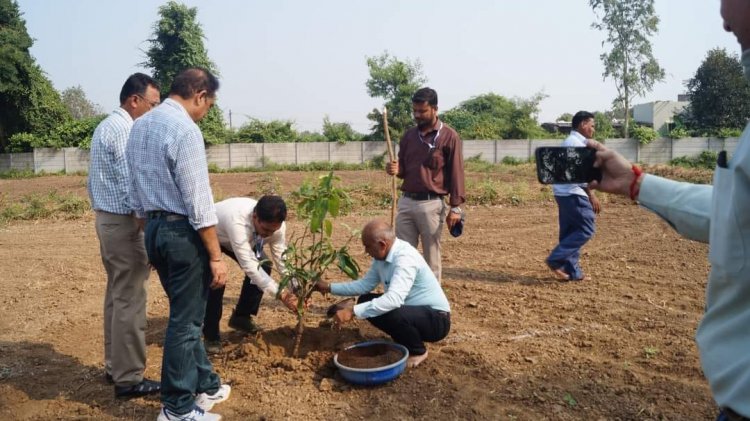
244,227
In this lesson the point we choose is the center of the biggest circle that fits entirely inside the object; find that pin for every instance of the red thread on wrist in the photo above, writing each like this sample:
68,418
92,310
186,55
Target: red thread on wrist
633,184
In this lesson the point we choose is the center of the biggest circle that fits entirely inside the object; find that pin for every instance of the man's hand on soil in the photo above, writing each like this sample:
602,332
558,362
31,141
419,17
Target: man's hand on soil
343,316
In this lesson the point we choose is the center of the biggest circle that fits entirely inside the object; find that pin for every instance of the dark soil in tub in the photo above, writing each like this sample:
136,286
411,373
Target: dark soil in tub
372,356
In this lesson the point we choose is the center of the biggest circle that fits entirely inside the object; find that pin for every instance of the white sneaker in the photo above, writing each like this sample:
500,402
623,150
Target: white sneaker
196,414
206,401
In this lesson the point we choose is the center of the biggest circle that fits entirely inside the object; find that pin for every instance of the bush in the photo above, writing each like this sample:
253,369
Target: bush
74,133
644,134
726,132
706,160
25,142
679,132
511,160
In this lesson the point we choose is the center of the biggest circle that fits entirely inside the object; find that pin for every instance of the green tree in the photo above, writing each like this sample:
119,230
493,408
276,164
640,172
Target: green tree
28,101
719,94
603,124
177,43
78,104
492,116
339,132
258,131
630,63
565,117
395,81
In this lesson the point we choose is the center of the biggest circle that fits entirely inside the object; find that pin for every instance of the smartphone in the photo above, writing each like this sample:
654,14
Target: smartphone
566,165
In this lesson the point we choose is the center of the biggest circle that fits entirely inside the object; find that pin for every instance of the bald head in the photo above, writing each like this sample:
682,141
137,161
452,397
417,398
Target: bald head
378,230
378,237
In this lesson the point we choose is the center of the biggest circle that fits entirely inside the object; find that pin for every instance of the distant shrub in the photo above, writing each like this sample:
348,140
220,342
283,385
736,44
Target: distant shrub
726,132
679,132
644,134
706,160
511,160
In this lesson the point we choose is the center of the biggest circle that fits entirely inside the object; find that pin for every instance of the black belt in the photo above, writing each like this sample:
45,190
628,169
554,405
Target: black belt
444,314
422,196
169,216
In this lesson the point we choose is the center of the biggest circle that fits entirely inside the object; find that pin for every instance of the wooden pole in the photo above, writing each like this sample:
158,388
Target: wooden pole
391,158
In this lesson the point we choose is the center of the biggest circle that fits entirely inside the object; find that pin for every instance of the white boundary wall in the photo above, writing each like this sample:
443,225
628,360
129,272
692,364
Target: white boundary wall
255,155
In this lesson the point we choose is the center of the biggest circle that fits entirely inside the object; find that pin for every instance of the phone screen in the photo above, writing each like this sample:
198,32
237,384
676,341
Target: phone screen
566,165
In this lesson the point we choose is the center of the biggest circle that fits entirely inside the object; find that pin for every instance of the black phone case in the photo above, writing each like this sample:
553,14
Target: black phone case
552,162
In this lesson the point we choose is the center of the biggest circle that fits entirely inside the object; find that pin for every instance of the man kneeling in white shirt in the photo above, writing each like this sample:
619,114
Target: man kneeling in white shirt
244,227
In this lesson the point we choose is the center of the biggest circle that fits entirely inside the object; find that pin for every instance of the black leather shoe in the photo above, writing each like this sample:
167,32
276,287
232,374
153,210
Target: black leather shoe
243,323
145,387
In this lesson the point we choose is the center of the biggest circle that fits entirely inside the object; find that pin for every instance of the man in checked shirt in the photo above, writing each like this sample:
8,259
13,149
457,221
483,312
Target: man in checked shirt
121,242
170,187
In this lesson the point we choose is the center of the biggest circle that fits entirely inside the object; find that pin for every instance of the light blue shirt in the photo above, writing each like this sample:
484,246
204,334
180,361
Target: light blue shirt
407,279
109,180
167,159
719,215
576,140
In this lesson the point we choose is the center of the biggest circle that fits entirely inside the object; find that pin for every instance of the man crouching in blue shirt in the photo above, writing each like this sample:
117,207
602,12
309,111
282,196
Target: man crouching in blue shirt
413,307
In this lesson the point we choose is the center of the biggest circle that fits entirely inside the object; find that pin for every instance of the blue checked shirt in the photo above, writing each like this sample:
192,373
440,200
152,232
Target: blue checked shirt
109,181
168,164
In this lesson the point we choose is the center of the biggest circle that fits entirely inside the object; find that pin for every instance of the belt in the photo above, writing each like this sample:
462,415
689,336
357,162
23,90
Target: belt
422,196
169,216
444,314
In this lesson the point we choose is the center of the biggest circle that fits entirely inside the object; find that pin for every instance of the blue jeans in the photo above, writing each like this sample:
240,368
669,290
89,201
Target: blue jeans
177,253
576,228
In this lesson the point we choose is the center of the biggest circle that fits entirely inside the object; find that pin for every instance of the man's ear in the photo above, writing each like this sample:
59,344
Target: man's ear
199,98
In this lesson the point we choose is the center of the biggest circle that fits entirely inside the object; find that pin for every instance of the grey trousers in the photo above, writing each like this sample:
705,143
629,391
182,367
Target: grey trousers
124,257
423,220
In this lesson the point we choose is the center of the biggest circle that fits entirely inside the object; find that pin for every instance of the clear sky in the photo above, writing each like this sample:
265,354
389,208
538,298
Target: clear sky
302,59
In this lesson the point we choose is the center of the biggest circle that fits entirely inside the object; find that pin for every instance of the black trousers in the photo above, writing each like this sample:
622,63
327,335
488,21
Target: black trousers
411,325
247,305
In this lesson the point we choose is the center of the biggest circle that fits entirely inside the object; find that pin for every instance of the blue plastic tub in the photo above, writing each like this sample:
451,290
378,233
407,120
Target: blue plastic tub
373,376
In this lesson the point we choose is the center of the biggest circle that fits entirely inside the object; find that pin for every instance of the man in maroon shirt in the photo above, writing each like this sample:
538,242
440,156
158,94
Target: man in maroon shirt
430,161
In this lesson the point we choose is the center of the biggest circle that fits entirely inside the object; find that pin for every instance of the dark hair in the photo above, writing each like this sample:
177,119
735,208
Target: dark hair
136,84
580,117
427,95
271,209
193,80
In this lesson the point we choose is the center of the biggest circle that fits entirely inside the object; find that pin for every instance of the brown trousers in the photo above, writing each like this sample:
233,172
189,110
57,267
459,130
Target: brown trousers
124,257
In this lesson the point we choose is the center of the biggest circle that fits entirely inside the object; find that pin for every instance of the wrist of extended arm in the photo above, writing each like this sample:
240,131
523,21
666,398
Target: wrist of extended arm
635,185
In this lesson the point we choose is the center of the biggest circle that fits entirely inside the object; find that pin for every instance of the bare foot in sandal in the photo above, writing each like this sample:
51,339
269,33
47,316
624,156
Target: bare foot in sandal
415,360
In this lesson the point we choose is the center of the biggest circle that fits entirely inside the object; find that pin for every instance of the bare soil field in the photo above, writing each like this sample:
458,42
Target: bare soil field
522,346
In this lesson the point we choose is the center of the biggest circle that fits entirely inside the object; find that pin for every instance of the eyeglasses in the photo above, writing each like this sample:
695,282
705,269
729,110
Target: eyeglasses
151,103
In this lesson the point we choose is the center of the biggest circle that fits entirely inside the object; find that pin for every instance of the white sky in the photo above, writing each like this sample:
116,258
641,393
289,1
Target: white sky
301,60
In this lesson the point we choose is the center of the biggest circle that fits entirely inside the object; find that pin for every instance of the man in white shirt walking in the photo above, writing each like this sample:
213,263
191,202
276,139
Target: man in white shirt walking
577,206
244,227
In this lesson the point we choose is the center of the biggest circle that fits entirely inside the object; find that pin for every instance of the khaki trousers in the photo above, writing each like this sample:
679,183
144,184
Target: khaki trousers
423,220
124,257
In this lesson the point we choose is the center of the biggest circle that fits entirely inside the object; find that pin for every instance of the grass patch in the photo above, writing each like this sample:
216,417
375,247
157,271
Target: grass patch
650,352
376,163
43,206
27,173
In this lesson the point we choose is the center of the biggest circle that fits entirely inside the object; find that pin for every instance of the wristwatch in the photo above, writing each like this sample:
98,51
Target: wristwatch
456,210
